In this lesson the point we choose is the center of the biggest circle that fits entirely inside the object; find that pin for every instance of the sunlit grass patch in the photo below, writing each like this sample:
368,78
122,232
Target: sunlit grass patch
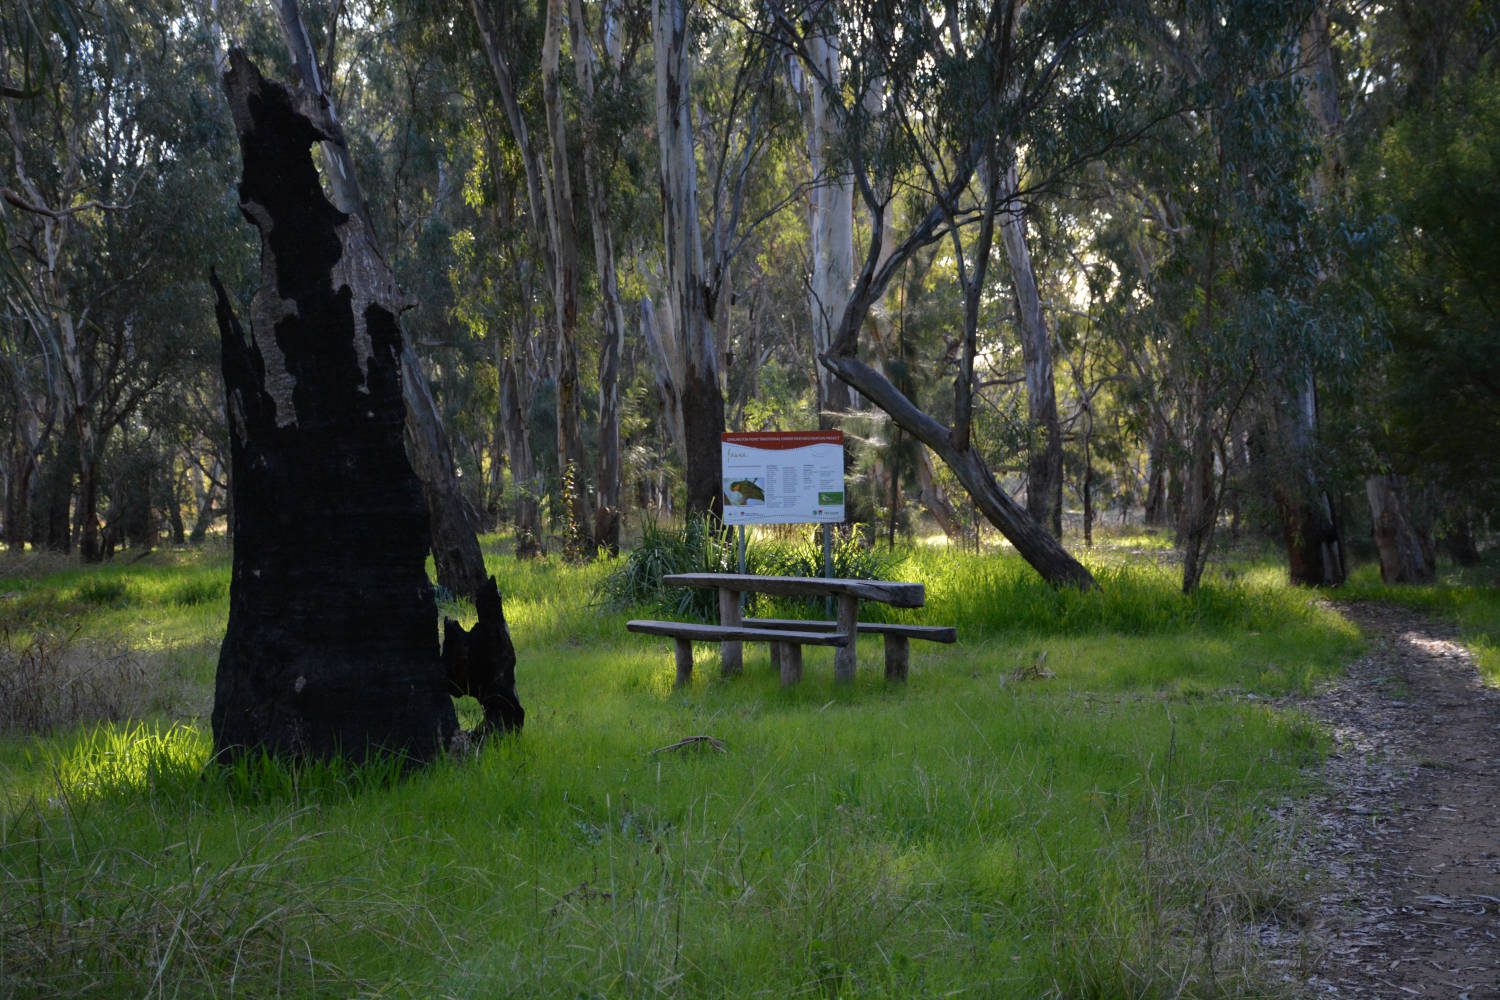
123,761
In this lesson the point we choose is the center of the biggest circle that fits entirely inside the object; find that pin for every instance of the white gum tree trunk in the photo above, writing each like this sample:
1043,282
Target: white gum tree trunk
831,210
686,283
1044,462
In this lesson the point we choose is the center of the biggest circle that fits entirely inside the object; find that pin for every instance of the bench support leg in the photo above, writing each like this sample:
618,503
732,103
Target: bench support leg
789,658
843,659
684,662
732,653
897,657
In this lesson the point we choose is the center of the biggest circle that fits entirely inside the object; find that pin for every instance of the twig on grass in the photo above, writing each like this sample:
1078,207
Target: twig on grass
695,741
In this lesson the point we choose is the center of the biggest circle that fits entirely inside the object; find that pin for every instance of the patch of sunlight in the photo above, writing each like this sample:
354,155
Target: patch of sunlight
123,759
993,868
1263,577
1127,539
914,869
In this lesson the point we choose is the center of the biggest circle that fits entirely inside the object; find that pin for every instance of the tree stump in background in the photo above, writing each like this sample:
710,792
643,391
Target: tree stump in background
331,648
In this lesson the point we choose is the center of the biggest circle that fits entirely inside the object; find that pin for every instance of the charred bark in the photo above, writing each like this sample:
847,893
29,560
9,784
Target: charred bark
481,662
455,546
330,649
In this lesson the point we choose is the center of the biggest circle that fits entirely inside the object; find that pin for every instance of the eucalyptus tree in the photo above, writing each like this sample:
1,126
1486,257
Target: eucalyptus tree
1422,143
549,187
113,185
720,112
964,86
1231,260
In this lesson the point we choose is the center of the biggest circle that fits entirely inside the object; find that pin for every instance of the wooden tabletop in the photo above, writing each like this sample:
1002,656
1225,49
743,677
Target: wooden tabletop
901,595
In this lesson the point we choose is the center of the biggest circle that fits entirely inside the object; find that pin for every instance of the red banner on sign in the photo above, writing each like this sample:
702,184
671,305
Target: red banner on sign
782,439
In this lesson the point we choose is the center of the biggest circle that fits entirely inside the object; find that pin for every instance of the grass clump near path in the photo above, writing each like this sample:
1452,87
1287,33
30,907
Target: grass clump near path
1073,809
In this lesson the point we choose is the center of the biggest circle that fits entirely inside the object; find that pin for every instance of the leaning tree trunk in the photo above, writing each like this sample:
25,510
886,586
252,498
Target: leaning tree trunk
1033,542
1405,556
331,648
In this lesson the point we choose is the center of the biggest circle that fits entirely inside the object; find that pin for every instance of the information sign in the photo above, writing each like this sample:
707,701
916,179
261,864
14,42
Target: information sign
783,477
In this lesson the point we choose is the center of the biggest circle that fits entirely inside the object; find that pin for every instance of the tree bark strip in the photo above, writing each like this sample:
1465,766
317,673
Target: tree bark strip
1405,554
1045,460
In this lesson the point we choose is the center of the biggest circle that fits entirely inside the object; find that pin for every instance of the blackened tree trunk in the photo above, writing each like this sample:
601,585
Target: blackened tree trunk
52,504
1457,536
455,547
331,648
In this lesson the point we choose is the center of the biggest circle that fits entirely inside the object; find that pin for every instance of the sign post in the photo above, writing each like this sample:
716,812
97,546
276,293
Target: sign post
784,477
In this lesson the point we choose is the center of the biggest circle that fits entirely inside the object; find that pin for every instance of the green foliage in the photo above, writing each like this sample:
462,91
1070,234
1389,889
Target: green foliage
1430,408
697,547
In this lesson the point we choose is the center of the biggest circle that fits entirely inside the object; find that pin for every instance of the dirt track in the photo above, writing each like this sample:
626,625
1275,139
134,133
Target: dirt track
1407,839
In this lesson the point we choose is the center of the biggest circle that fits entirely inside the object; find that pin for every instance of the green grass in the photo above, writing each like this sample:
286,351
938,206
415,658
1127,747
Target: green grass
1071,802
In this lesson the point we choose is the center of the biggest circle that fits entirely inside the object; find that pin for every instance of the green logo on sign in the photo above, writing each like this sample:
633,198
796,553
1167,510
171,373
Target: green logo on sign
830,498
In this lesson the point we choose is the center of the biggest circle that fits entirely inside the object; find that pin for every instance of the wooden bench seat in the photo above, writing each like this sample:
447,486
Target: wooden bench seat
786,644
897,637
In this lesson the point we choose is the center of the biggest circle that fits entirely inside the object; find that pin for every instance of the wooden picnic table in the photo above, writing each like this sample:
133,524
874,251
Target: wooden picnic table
847,593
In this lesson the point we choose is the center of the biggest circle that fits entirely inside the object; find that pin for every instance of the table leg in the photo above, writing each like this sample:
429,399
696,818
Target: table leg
843,658
732,653
790,660
897,656
684,662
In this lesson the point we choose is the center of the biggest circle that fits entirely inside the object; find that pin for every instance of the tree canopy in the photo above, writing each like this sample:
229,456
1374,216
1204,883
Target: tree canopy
1208,266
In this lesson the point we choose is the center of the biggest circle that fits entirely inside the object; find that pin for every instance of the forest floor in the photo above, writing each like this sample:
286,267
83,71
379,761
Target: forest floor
1406,837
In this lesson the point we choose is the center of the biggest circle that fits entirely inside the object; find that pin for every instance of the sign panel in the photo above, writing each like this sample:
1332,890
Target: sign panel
783,477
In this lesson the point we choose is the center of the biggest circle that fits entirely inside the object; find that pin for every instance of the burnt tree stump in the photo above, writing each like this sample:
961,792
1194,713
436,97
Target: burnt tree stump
331,648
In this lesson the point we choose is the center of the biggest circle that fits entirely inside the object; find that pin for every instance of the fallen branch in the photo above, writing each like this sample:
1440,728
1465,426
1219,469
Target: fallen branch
695,741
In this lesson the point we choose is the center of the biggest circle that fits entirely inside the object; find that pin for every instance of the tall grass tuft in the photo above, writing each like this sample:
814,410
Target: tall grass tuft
699,547
996,594
50,681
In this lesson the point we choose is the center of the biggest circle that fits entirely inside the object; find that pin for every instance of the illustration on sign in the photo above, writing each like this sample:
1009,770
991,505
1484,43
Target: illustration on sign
783,477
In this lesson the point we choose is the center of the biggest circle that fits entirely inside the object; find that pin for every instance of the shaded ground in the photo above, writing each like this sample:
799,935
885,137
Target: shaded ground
1407,839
